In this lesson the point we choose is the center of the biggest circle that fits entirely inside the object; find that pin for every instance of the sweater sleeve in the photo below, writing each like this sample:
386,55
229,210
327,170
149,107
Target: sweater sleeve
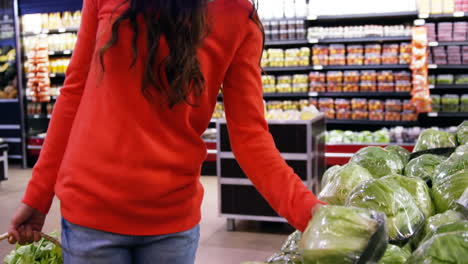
252,144
40,191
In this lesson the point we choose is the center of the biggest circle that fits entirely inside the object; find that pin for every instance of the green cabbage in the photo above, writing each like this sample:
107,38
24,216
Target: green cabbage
343,181
462,133
418,189
289,253
403,153
338,234
438,220
433,138
329,174
378,161
463,201
445,248
395,255
448,190
458,161
404,218
456,226
423,166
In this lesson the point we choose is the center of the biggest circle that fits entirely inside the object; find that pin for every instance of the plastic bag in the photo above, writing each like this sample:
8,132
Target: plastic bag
289,253
463,202
338,234
423,166
404,218
395,255
329,174
418,189
403,153
462,133
378,161
433,138
448,190
343,181
458,161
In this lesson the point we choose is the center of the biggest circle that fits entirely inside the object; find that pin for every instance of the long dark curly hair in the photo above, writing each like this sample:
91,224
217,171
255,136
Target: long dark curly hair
184,25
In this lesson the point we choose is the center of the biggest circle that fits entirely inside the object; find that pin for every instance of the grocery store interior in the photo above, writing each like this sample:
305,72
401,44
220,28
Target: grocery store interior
363,98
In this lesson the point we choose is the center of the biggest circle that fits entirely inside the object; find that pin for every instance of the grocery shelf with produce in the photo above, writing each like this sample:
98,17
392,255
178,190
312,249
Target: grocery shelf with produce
362,94
50,32
365,18
369,123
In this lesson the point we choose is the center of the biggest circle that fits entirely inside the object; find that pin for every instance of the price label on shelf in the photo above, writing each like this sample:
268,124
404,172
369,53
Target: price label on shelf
52,75
51,53
424,16
313,94
432,66
419,22
49,116
433,43
318,67
67,52
459,14
45,31
313,40
36,116
433,114
62,30
312,17
431,86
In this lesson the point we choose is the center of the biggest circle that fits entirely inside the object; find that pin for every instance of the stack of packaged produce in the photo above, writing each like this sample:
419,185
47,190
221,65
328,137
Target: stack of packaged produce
284,30
317,33
442,6
286,58
448,79
388,205
37,72
450,103
37,23
297,83
421,96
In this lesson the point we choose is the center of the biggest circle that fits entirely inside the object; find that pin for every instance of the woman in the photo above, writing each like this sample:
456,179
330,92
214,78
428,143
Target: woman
124,149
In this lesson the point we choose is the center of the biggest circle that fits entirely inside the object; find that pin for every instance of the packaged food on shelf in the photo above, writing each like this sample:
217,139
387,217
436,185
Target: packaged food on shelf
355,49
320,60
300,88
436,103
373,49
464,103
370,76
343,114
268,80
402,86
385,76
300,79
329,112
445,79
320,50
334,87
313,102
359,115
432,79
405,48
326,103
367,86
359,104
342,104
337,59
284,88
392,105
269,88
317,77
337,49
284,79
319,87
372,59
392,116
409,116
386,87
350,87
390,48
461,79
351,76
355,59
376,115
375,105
450,103
402,76
390,58
334,77
408,106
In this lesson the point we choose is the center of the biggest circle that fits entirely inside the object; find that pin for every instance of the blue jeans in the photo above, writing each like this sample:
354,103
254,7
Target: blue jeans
89,246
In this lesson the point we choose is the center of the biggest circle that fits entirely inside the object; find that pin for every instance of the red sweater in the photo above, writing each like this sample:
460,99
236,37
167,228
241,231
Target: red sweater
120,164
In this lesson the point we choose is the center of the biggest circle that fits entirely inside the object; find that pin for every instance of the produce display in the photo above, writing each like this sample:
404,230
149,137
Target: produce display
314,33
447,31
462,133
434,138
453,55
284,30
298,83
395,255
450,103
378,161
423,166
37,72
345,137
43,251
286,58
54,21
59,65
56,42
8,73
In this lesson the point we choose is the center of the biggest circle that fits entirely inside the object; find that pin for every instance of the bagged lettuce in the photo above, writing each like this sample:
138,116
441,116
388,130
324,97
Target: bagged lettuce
289,253
446,191
404,218
403,153
343,181
395,255
329,174
457,226
462,133
378,161
458,161
438,220
433,138
338,234
423,166
418,189
463,202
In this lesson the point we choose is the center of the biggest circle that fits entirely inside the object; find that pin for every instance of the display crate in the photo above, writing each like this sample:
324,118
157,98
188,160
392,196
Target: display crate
301,144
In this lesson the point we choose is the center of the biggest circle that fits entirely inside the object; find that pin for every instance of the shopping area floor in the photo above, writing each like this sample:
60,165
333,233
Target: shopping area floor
250,242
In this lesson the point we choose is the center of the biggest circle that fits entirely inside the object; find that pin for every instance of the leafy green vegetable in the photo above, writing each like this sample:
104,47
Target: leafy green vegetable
463,202
438,220
418,189
403,153
458,161
395,255
344,180
289,253
433,138
423,166
404,218
378,161
456,226
448,190
462,133
445,248
339,234
329,174
42,252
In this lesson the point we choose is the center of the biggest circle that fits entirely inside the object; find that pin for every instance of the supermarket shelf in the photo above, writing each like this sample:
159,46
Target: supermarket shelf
288,69
57,75
9,101
41,116
36,147
447,43
447,114
451,16
361,40
370,123
443,118
363,94
448,67
448,88
377,16
285,95
53,31
61,53
281,43
337,67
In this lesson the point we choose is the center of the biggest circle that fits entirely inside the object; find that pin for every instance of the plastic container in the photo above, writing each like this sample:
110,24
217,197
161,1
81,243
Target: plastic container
320,60
376,105
390,48
372,59
350,87
337,49
343,114
408,106
359,115
402,76
385,76
436,103
342,104
390,58
337,59
359,104
334,87
319,87
386,87
402,86
393,105
355,49
329,112
326,103
335,77
317,77
409,116
445,79
320,50
376,115
351,76
392,116
355,59
450,103
370,76
373,49
367,86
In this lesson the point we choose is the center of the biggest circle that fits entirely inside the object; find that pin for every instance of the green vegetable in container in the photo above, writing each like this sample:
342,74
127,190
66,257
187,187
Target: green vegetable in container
329,174
462,133
395,255
433,138
458,161
403,153
456,226
423,166
438,220
418,189
343,181
404,218
378,161
42,252
338,234
447,190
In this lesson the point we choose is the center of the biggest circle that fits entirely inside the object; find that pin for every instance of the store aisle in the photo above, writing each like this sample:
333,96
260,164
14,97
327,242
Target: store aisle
252,241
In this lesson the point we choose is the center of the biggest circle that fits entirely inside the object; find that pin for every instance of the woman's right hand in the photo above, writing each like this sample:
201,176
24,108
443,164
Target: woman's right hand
26,225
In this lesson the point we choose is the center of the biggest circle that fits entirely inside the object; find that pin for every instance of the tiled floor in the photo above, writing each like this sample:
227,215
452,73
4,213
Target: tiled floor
251,242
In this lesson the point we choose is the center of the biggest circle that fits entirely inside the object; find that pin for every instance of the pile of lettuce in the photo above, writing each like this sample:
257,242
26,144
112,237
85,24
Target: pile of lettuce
42,252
